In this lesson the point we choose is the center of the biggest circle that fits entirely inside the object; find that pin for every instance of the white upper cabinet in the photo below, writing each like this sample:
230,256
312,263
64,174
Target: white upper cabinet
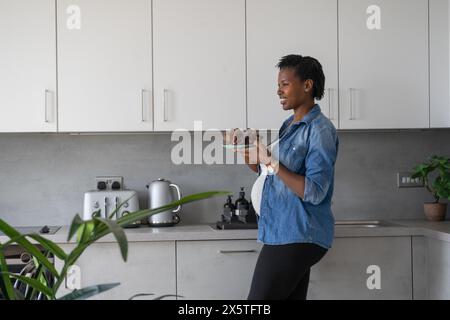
105,65
439,63
276,28
383,67
199,64
27,66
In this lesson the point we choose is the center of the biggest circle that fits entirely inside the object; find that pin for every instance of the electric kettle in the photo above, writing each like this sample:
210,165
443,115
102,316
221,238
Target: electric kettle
160,193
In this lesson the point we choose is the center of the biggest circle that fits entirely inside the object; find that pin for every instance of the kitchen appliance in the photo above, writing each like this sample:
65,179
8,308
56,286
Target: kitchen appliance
106,201
160,193
21,263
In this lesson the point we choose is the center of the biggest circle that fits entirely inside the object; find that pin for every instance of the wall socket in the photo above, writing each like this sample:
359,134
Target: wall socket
404,180
108,181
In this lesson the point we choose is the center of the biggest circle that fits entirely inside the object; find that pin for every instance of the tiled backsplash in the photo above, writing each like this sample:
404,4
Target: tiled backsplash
43,176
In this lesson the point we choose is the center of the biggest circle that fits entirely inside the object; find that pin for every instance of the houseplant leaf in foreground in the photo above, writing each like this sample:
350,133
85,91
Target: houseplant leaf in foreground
138,215
88,291
33,283
6,288
88,233
76,223
119,234
50,246
28,246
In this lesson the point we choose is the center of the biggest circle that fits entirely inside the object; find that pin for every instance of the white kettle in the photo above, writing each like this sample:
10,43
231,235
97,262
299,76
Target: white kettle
159,194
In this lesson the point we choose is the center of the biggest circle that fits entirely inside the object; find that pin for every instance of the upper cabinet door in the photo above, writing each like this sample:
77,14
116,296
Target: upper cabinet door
383,51
199,64
276,28
104,65
27,66
439,63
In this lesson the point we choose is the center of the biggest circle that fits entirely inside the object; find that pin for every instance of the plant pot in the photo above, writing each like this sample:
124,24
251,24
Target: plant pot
435,211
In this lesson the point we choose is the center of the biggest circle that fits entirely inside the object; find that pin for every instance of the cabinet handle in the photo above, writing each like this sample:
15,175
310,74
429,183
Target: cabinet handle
165,105
237,251
48,98
145,98
330,115
350,103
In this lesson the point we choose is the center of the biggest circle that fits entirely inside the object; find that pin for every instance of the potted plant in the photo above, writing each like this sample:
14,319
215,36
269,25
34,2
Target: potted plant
439,187
86,232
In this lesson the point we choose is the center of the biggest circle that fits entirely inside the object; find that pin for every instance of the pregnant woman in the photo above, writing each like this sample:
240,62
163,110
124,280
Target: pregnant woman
296,225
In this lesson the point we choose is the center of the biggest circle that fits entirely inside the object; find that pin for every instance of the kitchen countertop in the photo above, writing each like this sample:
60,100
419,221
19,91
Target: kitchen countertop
388,228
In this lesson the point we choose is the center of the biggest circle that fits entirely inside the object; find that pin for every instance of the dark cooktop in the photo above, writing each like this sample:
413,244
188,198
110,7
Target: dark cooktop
42,230
221,225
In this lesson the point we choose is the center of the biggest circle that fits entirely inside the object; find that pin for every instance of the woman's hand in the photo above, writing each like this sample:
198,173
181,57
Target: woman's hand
240,137
256,153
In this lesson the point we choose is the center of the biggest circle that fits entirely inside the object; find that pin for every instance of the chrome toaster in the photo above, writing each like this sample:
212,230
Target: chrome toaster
109,200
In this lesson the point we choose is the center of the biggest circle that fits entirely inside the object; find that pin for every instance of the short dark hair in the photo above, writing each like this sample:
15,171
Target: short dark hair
306,68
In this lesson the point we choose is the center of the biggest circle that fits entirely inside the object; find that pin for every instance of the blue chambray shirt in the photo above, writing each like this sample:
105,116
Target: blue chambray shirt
308,147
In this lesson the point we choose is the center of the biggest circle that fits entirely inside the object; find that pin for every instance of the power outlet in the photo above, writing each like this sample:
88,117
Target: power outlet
109,183
404,180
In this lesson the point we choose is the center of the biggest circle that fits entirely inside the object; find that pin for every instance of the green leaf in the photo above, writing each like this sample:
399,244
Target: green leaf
111,215
50,246
85,231
47,244
88,292
419,169
19,294
75,254
97,214
139,215
7,287
416,175
13,240
119,234
76,223
28,246
33,283
39,272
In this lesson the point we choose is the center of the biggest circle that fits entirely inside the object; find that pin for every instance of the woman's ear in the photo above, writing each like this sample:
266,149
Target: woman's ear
309,84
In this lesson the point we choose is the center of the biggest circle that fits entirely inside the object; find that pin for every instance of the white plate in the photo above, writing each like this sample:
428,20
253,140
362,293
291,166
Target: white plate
238,146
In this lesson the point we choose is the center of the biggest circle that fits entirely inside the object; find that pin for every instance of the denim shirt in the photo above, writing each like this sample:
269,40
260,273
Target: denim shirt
309,148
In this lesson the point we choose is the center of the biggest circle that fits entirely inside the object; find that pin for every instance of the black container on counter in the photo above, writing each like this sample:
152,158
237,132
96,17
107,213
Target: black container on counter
228,210
241,204
240,215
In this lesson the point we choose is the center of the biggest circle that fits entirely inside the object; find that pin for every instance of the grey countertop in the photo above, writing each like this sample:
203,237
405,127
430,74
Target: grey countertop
390,228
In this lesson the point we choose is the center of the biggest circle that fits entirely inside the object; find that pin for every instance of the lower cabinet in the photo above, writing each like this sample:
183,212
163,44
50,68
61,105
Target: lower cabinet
354,268
364,268
150,268
212,270
438,269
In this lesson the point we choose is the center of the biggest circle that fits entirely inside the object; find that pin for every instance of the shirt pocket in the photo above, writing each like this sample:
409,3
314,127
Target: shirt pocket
295,155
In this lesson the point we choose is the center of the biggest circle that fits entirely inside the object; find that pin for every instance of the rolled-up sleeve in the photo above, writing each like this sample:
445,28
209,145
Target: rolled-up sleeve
319,163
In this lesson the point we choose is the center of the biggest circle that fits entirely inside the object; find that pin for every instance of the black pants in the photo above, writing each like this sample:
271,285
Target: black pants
282,271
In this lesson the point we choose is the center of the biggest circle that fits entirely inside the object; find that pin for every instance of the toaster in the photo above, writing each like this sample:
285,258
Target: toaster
106,201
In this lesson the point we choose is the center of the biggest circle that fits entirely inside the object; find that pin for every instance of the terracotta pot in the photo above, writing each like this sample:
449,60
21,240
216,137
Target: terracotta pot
435,211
